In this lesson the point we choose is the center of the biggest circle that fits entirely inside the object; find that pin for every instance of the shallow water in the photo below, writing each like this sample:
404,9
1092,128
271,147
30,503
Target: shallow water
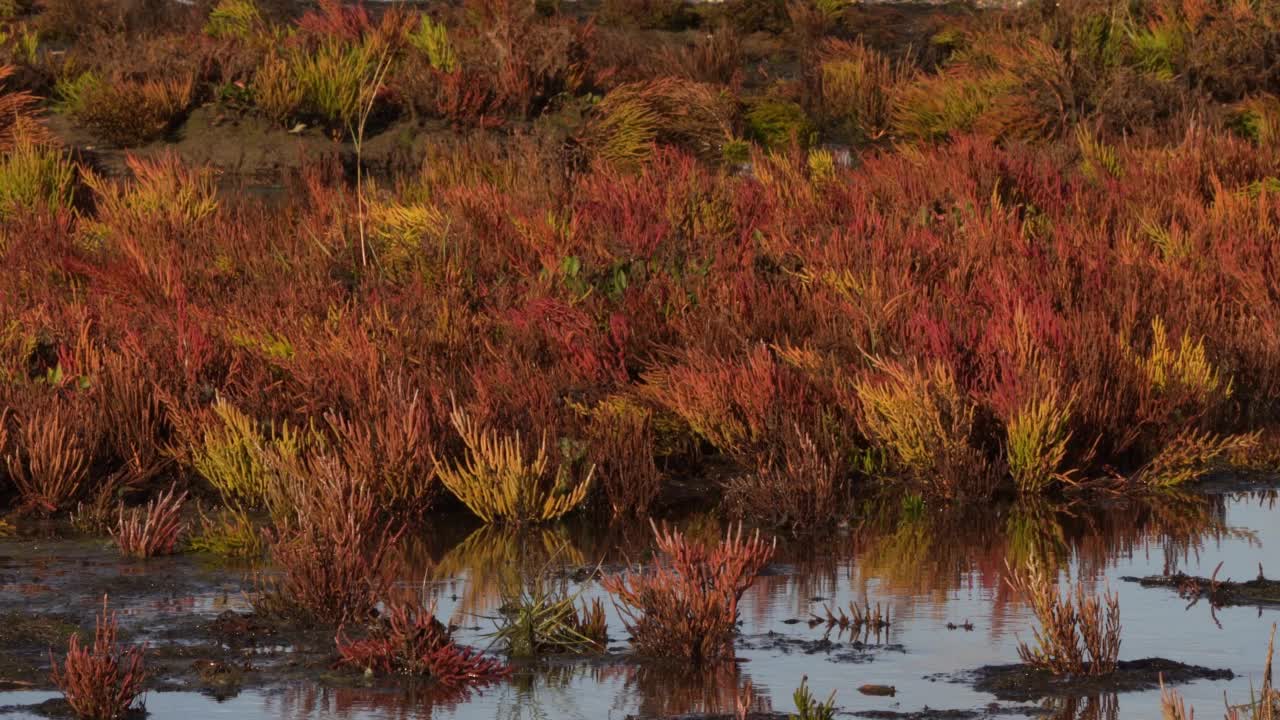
928,568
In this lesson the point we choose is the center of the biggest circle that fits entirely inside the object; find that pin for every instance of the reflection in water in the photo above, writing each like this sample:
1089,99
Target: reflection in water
1091,707
663,691
497,557
306,701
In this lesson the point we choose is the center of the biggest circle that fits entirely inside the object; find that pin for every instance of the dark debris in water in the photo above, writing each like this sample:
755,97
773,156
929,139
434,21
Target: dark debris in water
1219,593
1023,683
854,651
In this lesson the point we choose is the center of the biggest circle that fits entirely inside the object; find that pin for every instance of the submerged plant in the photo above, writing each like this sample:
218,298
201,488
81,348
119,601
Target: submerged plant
686,603
1078,635
102,681
499,483
537,620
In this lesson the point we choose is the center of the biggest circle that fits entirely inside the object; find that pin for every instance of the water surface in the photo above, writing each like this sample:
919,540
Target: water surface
928,568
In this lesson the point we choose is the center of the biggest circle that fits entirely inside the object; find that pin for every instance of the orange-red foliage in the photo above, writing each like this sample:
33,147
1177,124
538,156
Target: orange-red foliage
103,680
686,603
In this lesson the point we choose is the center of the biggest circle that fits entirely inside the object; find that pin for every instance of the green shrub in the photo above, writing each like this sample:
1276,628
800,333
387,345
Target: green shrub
233,19
938,106
776,123
432,39
1158,48
33,175
631,119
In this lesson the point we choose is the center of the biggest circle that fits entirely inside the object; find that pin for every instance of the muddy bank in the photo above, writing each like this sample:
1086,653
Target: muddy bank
252,151
1022,683
1221,593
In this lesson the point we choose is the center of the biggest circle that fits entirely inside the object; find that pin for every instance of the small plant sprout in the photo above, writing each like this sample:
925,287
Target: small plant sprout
809,708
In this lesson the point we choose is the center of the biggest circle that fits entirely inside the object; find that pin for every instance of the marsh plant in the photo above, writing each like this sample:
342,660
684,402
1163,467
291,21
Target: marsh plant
102,681
542,617
500,481
407,639
153,529
685,604
1079,633
808,707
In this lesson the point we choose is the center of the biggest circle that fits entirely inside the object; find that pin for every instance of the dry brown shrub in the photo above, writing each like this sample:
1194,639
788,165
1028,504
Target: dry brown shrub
334,552
50,456
1078,635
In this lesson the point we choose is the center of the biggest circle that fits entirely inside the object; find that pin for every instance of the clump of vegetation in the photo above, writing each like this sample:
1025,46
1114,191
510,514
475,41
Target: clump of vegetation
499,483
154,529
233,19
407,639
238,460
856,86
539,618
924,422
686,603
778,123
230,533
634,117
1038,435
125,111
334,550
105,680
621,438
34,176
49,458
808,707
1078,635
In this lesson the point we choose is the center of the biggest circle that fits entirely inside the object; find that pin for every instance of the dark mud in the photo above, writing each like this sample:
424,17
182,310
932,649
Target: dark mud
251,151
1220,593
991,711
25,639
1022,683
832,648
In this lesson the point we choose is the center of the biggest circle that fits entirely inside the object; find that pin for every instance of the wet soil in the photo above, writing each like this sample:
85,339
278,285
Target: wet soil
1221,593
250,150
1022,683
